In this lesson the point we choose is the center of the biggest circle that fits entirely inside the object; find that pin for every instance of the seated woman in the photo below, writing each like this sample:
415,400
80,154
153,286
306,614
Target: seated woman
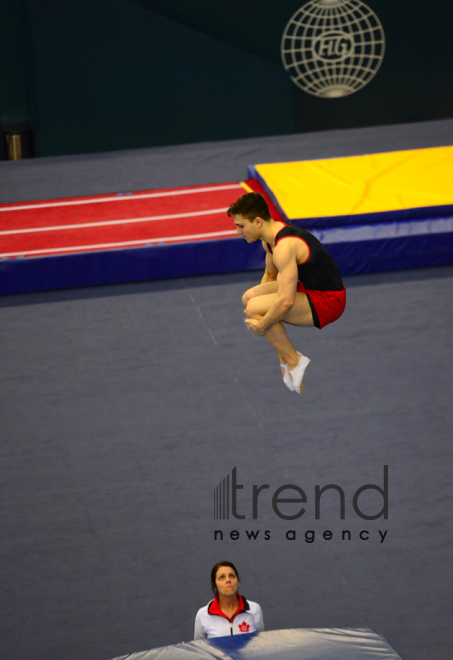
229,613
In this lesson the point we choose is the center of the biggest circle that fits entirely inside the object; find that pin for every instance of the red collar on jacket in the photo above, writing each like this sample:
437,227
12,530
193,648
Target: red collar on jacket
214,608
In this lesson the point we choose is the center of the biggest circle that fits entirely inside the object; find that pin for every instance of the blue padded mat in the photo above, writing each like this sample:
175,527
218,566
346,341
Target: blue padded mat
295,644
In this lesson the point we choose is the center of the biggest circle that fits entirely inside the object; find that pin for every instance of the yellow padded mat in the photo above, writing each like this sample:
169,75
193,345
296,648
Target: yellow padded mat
362,184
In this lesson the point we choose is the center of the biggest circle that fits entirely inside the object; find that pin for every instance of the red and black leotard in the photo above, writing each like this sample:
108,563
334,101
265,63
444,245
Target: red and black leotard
318,277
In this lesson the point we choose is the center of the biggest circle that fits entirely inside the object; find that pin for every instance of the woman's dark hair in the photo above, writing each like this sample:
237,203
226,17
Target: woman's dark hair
216,568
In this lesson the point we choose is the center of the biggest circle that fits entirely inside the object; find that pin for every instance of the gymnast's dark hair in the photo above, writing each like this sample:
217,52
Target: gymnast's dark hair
250,206
216,568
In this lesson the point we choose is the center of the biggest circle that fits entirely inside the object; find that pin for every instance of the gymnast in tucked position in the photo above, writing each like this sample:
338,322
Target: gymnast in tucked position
301,284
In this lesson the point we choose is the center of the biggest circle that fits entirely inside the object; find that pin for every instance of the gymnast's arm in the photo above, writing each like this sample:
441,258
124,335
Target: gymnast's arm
270,271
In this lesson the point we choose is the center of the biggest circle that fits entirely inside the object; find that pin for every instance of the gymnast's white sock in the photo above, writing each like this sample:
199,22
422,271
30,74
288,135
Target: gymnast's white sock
298,372
287,377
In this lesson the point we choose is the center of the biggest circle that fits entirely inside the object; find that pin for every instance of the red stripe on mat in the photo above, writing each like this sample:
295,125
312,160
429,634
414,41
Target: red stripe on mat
118,221
56,226
136,207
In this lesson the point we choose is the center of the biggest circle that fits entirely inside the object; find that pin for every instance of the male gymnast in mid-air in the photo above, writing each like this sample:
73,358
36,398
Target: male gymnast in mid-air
301,284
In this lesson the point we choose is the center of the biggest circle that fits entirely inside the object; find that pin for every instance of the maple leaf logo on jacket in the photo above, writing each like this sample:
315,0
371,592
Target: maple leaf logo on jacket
244,627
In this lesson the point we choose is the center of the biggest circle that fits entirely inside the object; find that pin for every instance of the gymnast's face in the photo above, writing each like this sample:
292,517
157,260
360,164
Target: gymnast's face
226,581
250,230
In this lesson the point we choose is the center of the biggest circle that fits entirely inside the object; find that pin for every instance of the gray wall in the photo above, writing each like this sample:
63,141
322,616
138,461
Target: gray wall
100,75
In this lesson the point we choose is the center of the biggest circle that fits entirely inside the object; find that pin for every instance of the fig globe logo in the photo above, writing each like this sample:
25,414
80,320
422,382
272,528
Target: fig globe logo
333,48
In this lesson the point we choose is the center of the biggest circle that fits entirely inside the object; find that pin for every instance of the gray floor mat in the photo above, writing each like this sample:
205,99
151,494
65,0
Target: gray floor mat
124,407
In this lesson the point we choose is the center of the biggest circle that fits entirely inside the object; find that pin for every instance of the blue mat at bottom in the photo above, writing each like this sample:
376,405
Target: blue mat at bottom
295,644
397,245
372,248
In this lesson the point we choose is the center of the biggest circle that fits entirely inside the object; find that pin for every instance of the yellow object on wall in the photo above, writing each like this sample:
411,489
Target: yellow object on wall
362,184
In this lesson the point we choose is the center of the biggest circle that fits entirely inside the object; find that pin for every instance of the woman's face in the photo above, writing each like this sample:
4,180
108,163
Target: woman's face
226,581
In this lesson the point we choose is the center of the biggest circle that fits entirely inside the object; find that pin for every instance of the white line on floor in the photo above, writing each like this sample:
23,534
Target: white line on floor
122,197
141,242
126,221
